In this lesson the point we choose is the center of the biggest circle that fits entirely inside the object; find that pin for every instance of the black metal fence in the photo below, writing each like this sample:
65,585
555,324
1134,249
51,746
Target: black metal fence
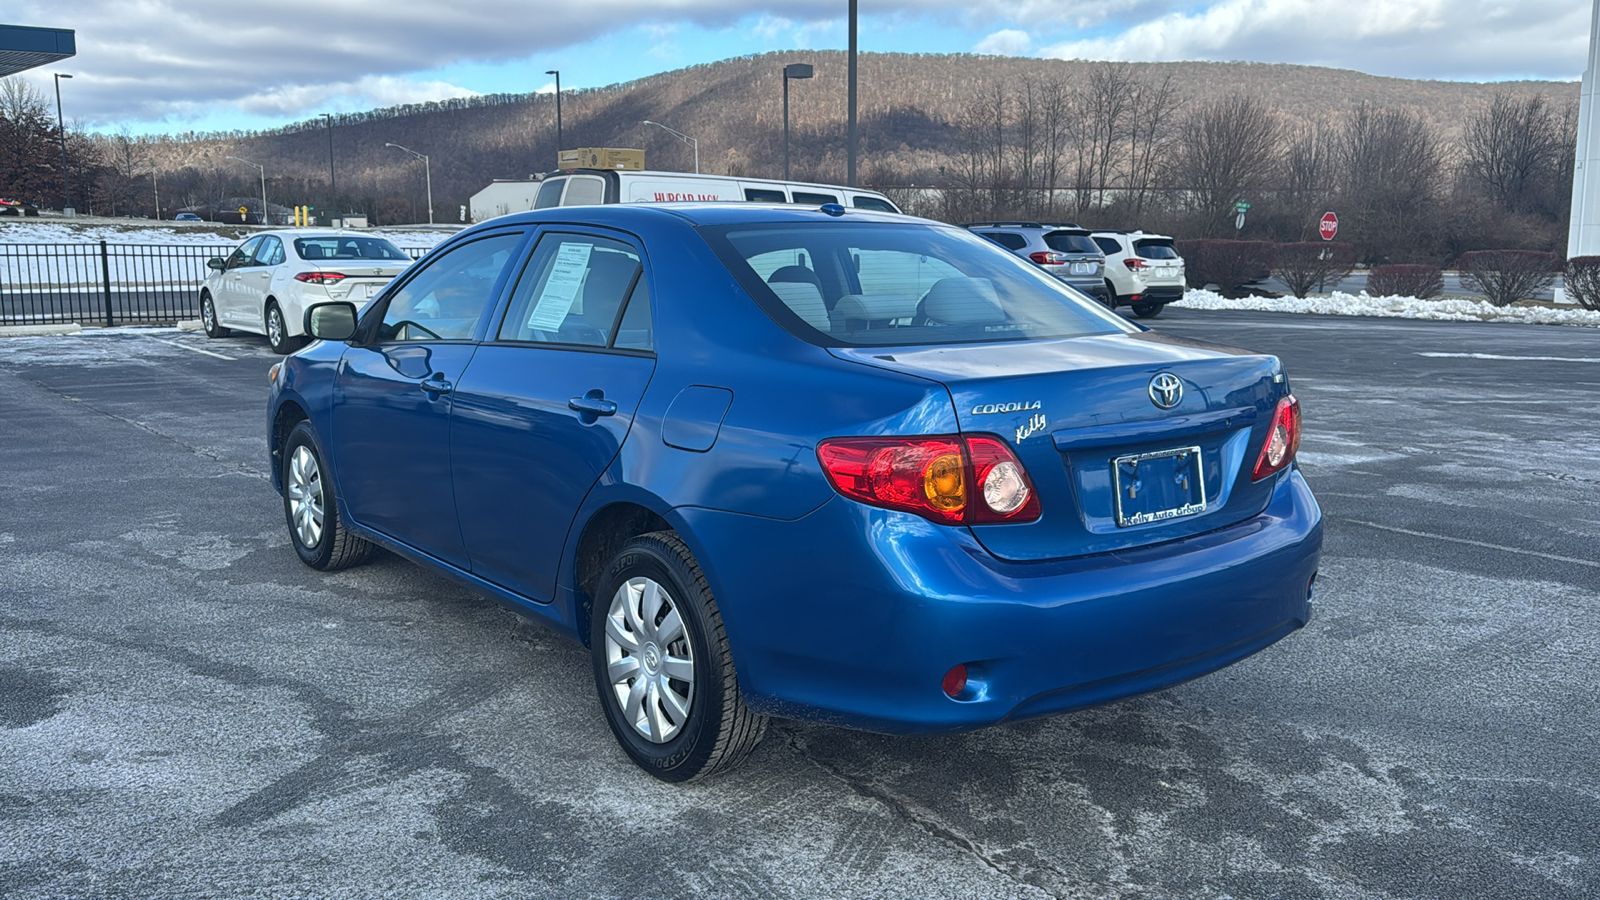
102,283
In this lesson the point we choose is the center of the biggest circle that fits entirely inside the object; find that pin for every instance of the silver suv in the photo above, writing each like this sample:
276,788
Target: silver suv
1065,251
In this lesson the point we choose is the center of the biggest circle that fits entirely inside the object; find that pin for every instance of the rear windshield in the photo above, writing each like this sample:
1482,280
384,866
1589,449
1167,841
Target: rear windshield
844,284
1155,249
1070,242
338,246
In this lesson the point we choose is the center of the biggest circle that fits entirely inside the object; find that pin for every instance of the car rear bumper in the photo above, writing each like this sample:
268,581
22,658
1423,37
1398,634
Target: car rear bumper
1093,285
1160,293
852,615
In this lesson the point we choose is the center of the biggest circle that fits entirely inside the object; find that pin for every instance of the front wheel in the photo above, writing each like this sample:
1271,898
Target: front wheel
311,509
1148,310
208,318
663,667
1111,295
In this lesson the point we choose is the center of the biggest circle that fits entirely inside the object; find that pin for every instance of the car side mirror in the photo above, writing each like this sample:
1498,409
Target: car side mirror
331,321
216,262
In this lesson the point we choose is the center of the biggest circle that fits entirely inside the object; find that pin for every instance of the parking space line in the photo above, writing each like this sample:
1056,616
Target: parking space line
1582,359
196,349
1456,540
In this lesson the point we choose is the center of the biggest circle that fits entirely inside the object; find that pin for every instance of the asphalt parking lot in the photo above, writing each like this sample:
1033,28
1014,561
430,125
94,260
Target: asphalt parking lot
185,710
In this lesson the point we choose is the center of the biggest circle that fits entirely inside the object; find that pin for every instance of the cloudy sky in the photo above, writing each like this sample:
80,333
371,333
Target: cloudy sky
180,65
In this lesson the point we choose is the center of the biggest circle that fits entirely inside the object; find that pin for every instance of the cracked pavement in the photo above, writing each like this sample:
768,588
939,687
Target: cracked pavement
185,710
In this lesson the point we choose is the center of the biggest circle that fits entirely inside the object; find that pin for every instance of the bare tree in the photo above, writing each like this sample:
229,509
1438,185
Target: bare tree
1150,134
1510,147
1309,174
1105,106
1228,152
20,101
1390,167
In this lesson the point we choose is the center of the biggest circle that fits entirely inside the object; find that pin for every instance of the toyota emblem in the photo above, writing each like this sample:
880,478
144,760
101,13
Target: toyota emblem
1166,390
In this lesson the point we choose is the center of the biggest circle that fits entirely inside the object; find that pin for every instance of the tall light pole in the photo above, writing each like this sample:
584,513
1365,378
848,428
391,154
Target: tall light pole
559,142
682,137
61,123
427,171
265,219
792,70
850,128
333,186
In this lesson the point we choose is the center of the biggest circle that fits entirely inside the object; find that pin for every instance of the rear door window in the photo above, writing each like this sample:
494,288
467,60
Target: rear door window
573,291
877,203
270,253
764,195
584,190
819,199
1008,240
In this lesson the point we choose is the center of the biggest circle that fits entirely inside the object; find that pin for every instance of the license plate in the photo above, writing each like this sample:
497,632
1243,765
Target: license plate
1154,487
1166,271
1083,268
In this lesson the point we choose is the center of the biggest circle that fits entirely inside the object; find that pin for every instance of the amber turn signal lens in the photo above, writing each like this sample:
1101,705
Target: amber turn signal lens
943,483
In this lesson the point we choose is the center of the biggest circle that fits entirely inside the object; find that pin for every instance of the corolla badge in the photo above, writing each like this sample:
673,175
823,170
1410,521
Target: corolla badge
1166,390
1034,426
989,409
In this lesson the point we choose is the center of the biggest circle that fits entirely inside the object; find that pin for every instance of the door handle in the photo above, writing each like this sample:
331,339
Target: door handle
436,385
593,405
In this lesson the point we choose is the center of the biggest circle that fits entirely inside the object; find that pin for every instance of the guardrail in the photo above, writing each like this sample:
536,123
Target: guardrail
101,283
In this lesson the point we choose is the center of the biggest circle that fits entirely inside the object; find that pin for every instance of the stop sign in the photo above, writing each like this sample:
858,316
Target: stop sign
1329,226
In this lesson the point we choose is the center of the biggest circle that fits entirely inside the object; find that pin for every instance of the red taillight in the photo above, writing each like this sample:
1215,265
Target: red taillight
951,479
319,277
1283,438
1048,258
1133,264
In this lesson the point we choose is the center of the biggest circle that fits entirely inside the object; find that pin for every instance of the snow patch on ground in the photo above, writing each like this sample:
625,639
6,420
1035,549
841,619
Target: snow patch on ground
1339,303
62,233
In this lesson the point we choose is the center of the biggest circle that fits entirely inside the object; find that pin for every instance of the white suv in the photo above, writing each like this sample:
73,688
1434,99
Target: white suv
1143,271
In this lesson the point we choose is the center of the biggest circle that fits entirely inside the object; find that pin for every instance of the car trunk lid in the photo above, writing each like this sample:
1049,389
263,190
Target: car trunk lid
1113,469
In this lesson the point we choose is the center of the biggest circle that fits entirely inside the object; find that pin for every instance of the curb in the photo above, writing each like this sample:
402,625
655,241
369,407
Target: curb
191,325
35,330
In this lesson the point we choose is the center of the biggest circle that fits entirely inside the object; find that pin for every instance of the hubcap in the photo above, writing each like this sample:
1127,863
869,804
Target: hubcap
649,660
206,315
305,496
274,326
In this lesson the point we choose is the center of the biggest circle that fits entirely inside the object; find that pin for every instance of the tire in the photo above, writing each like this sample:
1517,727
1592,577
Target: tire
1148,310
277,332
682,728
1111,296
311,509
208,318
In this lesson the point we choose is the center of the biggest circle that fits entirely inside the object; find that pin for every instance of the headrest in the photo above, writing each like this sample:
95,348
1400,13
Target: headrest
963,301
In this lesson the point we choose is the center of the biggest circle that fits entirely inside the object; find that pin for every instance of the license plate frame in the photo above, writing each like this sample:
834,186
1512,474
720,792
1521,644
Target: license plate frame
1175,474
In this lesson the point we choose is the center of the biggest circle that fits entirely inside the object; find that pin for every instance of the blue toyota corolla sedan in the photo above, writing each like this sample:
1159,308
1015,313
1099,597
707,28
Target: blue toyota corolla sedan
829,464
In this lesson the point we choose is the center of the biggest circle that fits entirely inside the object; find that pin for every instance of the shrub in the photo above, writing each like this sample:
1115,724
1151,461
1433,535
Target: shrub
1506,276
1230,265
1405,280
1583,281
1313,265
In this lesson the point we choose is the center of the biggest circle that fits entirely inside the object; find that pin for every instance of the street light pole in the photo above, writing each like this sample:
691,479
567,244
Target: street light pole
265,217
427,170
559,142
682,137
61,123
792,70
333,186
850,128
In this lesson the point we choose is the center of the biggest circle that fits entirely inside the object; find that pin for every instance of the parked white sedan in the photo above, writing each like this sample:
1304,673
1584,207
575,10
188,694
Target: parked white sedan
265,286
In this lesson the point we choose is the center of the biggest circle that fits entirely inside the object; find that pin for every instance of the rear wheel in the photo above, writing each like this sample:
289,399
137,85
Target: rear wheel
662,664
208,317
312,510
278,333
1148,310
1111,296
